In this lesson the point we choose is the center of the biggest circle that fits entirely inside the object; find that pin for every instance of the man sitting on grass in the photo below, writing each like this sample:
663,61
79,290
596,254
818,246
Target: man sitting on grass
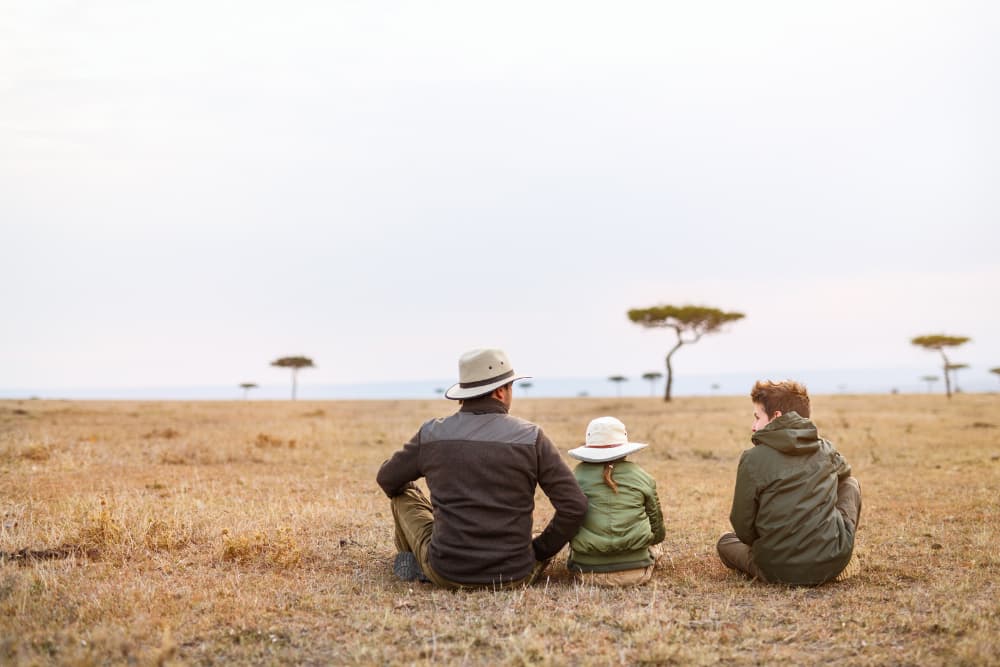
482,466
796,506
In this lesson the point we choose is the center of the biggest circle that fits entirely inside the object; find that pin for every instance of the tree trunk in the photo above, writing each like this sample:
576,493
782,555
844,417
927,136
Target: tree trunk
295,382
947,373
670,369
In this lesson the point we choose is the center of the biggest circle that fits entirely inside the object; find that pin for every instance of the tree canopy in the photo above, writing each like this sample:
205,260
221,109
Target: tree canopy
295,363
652,377
618,379
939,342
689,322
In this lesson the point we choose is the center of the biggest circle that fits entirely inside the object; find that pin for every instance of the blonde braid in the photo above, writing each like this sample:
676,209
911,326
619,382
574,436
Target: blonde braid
608,469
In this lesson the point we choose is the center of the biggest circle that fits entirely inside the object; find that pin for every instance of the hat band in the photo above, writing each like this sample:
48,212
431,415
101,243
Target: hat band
481,383
604,446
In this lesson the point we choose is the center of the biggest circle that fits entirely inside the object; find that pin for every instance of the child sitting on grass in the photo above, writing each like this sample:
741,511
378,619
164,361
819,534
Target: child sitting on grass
796,506
615,545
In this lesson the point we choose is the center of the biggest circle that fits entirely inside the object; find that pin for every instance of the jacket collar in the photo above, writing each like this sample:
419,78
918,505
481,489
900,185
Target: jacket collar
483,405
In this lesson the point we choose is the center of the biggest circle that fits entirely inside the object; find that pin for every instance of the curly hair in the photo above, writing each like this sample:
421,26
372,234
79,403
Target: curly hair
787,396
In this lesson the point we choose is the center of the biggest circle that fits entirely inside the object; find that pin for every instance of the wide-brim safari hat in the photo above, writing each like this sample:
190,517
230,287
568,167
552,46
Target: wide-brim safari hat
607,440
481,371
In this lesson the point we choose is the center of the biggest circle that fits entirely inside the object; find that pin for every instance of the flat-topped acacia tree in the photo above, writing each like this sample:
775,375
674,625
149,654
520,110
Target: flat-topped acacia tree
246,387
939,342
690,323
295,363
955,368
652,377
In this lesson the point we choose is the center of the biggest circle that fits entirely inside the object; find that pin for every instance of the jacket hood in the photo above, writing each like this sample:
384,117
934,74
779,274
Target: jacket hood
789,434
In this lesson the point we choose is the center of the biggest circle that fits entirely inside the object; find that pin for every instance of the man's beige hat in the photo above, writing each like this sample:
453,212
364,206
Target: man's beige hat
607,440
482,371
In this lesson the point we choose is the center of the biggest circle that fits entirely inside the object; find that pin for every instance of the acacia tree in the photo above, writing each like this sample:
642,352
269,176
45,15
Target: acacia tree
652,376
939,342
246,387
525,386
930,380
690,323
618,379
996,371
955,368
295,363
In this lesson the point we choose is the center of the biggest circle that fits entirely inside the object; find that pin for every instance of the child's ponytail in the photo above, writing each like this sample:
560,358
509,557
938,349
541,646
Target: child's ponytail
608,469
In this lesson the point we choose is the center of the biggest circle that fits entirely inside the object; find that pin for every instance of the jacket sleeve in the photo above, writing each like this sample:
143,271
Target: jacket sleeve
655,514
745,502
563,491
401,468
840,464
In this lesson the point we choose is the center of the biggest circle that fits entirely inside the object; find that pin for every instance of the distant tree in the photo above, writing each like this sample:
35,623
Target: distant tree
618,379
439,390
930,380
716,386
525,386
996,371
246,387
690,321
954,369
939,342
295,363
652,377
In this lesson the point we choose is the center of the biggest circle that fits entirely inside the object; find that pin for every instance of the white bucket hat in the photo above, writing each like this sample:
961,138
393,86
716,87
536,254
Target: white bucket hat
607,440
480,372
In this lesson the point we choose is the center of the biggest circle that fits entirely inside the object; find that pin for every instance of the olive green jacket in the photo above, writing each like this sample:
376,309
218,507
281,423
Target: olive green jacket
618,528
784,505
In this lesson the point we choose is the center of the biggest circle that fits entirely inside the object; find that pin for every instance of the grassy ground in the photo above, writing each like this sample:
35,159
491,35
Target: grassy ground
198,533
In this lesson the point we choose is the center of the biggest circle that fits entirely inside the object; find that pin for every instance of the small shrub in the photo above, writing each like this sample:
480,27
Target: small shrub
265,440
166,434
36,452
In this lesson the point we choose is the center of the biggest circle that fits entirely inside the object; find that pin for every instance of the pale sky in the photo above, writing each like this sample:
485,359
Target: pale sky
191,189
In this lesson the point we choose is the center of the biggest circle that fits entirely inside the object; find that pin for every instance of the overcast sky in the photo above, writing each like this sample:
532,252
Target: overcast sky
191,189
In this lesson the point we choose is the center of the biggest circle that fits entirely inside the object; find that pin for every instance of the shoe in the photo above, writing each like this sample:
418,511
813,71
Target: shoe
407,568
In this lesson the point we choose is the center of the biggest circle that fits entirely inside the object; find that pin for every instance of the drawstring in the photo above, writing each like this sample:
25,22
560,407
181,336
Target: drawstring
608,469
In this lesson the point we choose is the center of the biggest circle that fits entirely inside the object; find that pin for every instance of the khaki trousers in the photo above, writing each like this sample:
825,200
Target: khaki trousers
737,556
622,578
413,517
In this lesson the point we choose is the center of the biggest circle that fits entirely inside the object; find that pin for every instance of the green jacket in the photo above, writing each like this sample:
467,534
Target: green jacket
784,505
619,528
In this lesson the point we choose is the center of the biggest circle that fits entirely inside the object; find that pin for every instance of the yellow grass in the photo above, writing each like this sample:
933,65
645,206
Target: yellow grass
196,533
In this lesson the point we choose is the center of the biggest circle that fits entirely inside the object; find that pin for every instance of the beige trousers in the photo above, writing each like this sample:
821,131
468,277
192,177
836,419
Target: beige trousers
413,517
622,578
737,556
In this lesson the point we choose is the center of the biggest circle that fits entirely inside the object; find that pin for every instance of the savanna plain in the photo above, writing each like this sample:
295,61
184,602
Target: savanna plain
253,532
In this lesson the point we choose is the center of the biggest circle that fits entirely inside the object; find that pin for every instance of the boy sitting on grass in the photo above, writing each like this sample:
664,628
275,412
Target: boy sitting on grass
796,507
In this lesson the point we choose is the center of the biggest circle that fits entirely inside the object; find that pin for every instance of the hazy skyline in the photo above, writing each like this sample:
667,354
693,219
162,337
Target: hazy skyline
190,190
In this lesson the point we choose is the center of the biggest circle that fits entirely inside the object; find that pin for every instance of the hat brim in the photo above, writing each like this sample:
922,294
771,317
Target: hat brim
605,454
456,392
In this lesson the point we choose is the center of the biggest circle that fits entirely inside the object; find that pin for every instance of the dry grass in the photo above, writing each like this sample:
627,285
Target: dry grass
253,532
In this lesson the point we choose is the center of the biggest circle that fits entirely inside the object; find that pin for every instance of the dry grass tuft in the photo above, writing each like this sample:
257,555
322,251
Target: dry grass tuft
265,440
163,433
262,549
102,533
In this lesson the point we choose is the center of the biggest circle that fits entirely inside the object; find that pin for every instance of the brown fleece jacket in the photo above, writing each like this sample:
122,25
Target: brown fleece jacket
482,466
